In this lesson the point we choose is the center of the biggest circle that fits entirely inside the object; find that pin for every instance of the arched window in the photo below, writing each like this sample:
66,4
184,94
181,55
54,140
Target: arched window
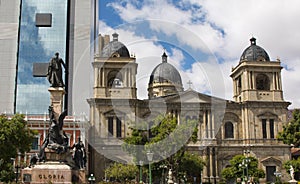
115,79
262,82
228,130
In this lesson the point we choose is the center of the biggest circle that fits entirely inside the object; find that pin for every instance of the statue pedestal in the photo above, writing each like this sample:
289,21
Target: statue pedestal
48,172
56,169
56,98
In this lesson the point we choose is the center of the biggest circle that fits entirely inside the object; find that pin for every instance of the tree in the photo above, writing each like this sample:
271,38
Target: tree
167,140
235,170
15,137
121,172
191,166
291,136
295,163
291,132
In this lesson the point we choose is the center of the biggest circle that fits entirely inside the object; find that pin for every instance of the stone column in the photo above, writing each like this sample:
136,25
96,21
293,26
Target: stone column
205,177
204,123
268,128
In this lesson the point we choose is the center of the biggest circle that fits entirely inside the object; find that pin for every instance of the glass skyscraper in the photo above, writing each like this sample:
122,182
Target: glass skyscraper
32,31
37,44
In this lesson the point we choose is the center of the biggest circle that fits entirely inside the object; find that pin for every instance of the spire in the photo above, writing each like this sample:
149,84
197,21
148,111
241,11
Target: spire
253,41
164,57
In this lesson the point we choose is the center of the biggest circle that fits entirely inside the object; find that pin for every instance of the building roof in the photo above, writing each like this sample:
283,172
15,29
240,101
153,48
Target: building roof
165,72
115,48
254,53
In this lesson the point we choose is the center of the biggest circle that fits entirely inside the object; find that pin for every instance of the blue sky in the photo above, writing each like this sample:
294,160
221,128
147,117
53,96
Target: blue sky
204,39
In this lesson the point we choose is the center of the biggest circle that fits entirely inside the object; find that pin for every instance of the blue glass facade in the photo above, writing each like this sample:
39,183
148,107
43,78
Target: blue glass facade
36,45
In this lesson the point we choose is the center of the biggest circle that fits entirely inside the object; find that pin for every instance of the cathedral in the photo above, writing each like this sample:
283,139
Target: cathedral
248,124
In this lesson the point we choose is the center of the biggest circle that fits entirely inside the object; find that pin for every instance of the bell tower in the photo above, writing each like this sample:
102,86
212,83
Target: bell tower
256,78
114,70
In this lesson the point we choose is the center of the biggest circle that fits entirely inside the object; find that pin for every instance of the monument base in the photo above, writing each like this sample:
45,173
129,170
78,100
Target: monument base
48,172
55,170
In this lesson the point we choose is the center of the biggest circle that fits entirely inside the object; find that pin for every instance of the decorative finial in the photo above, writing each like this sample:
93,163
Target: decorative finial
115,36
278,58
164,57
253,41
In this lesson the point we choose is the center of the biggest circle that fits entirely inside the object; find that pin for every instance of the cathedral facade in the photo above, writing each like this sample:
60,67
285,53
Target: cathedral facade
248,124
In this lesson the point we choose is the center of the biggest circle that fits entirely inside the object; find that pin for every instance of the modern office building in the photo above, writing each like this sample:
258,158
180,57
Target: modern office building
32,31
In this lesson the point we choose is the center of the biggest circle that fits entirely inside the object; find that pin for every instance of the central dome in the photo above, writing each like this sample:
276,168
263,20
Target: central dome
165,72
164,80
254,53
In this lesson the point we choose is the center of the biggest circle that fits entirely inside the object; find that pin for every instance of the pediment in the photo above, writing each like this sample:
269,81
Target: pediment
271,161
113,113
267,115
191,96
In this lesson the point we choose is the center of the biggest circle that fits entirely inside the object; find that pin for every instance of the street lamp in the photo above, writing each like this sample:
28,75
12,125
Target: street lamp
163,167
91,178
141,172
16,166
244,165
150,158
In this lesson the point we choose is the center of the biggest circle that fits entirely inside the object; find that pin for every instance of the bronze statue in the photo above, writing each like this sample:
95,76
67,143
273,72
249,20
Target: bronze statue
54,74
56,138
80,154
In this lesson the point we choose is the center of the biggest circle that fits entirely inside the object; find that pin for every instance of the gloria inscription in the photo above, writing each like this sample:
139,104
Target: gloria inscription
51,176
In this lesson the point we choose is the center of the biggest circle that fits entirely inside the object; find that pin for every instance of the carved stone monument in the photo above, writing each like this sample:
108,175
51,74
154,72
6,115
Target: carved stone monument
54,163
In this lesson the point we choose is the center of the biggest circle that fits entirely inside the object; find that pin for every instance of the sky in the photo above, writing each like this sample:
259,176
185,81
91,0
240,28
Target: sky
204,39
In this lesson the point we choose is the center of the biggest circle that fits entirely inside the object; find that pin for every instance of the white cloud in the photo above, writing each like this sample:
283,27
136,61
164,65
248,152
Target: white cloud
224,28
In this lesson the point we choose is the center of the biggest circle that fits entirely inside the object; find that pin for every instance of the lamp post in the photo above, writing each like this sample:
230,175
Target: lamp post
91,178
150,157
244,165
163,167
141,171
16,166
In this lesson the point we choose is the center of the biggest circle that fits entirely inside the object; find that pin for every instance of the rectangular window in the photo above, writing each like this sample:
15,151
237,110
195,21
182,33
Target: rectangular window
43,20
35,143
272,128
264,128
110,126
119,128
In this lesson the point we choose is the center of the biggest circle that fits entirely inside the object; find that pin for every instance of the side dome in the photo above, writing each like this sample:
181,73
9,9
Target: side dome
115,48
164,80
254,53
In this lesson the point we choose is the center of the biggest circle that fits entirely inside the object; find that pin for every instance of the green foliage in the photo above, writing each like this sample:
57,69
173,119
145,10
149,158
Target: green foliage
121,172
295,163
235,170
168,143
14,137
191,165
291,132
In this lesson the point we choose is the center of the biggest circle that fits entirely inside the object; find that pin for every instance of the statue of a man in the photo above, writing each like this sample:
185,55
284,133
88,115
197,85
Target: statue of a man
54,74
